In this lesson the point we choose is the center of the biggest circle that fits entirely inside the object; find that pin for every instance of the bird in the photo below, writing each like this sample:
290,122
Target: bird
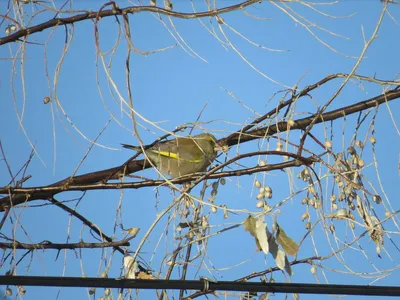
182,155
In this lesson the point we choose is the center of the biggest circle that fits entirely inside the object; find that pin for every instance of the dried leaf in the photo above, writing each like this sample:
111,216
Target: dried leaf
250,225
273,246
282,262
133,231
261,236
288,268
145,275
289,246
280,259
130,267
258,229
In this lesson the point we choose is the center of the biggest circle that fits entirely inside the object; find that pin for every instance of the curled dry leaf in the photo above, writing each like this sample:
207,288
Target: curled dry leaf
145,275
132,231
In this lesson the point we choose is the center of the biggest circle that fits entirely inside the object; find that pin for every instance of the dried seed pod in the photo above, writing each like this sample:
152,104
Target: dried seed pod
260,204
333,198
313,270
377,199
304,200
328,144
279,146
334,206
168,5
262,163
342,196
267,189
215,185
21,290
342,213
260,196
222,181
351,197
305,216
311,189
308,225
46,99
257,184
290,122
372,140
332,228
361,163
359,144
351,150
204,222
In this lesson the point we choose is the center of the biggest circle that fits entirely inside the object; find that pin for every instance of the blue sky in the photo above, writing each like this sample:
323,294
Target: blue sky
171,88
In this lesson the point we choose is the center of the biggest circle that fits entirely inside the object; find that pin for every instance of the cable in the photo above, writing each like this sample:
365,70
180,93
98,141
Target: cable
300,288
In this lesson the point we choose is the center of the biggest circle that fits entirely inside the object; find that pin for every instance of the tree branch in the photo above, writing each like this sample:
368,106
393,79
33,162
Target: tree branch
116,11
95,180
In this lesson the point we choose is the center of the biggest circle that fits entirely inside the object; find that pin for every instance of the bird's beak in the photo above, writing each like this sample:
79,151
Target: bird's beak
223,148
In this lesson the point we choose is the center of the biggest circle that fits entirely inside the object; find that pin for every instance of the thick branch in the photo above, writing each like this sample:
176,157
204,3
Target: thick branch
303,123
49,191
94,180
50,245
118,12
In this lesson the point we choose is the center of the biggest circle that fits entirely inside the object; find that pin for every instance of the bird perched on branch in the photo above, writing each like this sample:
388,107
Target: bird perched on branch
182,155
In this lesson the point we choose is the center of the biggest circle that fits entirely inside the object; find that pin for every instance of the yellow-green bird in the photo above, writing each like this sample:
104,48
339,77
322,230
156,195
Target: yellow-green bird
182,155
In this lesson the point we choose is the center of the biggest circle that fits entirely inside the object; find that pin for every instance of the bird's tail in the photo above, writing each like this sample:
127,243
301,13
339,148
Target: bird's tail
135,148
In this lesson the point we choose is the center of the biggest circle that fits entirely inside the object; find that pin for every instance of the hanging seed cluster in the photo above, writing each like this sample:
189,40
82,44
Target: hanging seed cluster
264,193
349,195
214,192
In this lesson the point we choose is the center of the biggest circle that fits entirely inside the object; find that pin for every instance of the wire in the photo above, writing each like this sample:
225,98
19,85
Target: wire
300,288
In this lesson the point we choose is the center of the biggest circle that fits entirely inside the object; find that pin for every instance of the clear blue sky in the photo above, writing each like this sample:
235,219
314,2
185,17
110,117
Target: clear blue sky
171,88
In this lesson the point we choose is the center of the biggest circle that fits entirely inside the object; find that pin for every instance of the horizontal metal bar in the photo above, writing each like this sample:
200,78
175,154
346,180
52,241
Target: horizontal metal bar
300,288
